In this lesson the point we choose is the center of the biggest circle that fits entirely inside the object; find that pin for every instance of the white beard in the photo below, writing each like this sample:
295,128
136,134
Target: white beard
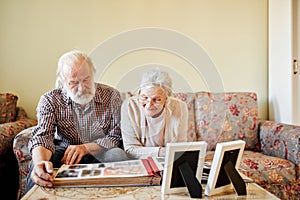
82,97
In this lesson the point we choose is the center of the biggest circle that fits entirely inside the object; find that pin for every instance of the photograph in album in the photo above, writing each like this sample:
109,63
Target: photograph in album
131,172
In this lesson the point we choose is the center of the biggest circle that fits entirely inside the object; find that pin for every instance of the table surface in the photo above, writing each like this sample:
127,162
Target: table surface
254,191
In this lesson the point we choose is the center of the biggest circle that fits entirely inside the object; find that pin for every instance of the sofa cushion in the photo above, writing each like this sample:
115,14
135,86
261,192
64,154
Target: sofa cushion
274,174
227,116
8,104
285,191
265,169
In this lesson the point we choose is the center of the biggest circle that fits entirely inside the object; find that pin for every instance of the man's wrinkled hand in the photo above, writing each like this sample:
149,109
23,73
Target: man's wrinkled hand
42,174
74,154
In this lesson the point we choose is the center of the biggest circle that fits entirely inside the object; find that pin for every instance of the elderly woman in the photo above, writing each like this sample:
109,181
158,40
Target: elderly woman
153,118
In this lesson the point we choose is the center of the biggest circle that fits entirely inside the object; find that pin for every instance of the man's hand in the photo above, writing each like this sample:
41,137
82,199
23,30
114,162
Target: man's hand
74,154
42,174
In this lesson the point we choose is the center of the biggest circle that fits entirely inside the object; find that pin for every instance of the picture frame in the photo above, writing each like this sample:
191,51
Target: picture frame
187,158
224,173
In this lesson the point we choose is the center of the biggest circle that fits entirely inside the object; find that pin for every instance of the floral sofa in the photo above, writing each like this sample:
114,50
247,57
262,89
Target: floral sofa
271,157
13,119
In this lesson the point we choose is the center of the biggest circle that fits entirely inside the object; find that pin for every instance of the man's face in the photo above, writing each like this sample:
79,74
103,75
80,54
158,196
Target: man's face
152,99
79,83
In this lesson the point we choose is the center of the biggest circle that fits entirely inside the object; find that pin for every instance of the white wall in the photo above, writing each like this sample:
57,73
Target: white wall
34,33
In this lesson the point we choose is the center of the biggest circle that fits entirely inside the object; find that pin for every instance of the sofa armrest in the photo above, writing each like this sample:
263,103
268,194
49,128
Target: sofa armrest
10,129
280,140
23,156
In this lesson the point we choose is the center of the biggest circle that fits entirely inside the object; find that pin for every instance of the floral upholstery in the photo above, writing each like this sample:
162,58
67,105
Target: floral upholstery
277,175
281,140
8,104
271,156
224,117
10,129
267,169
290,191
23,156
13,119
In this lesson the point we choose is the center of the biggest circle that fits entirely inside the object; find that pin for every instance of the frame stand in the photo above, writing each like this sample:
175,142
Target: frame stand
190,180
235,178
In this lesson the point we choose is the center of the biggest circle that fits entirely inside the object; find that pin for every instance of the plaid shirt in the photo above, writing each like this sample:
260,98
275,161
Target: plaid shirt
59,120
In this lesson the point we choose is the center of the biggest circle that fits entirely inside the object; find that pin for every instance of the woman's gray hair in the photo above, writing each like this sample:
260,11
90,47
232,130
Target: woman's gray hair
66,62
156,77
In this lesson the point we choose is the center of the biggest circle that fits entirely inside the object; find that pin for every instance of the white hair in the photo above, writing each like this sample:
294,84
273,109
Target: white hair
157,77
65,64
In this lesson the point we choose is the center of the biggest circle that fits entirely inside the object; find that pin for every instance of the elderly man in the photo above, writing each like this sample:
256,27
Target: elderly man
78,122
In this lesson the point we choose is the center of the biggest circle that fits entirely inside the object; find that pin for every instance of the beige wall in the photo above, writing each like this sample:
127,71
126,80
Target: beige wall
34,33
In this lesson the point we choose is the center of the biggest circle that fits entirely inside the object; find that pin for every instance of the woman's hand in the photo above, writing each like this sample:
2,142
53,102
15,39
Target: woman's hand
162,152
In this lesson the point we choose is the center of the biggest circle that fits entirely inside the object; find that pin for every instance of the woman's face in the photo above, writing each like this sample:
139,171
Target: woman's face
152,100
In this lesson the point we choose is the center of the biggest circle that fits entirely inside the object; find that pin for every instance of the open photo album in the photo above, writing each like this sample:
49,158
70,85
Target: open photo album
146,171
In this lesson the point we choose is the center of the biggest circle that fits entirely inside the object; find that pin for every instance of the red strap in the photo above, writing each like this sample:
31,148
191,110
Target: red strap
153,165
147,166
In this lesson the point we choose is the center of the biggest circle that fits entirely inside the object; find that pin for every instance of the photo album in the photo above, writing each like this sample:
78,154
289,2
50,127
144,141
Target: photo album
146,171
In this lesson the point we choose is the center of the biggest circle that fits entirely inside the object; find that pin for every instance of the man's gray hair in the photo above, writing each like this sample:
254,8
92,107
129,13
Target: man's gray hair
67,60
158,77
